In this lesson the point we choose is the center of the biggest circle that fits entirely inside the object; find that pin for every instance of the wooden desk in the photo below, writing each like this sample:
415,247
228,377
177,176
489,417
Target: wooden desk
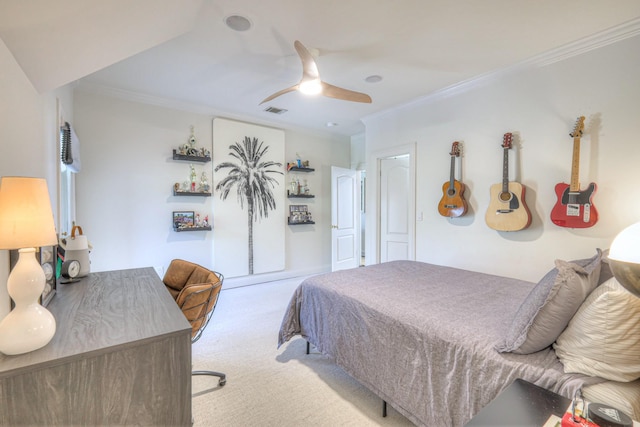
521,404
121,355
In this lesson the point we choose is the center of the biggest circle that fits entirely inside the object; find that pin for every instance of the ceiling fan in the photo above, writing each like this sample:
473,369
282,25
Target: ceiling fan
312,85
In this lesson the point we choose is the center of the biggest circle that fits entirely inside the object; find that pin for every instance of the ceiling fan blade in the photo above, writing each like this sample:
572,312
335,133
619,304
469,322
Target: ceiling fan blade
310,75
309,66
345,94
281,92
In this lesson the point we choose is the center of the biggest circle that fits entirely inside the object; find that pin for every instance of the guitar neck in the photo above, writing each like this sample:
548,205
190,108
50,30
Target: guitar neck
505,171
451,173
575,166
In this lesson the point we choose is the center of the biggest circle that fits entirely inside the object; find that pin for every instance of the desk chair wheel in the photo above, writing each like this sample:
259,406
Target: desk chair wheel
221,382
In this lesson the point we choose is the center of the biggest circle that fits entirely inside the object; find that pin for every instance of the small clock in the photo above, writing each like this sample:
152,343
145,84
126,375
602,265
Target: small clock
70,270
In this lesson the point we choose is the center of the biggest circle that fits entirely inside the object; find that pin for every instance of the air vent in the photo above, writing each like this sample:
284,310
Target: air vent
275,110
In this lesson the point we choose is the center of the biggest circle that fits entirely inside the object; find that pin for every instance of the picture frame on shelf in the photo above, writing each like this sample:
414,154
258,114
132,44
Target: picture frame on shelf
299,214
183,219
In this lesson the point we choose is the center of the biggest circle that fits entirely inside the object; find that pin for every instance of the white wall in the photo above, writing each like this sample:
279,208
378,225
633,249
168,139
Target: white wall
28,137
124,190
540,105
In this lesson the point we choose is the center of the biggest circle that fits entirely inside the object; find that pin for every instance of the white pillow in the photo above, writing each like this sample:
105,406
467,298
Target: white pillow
623,396
603,338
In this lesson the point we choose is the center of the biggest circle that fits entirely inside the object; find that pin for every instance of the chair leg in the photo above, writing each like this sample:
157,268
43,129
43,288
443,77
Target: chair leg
223,377
384,408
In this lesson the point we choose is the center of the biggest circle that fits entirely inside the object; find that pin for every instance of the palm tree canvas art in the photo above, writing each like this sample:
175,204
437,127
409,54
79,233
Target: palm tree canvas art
249,184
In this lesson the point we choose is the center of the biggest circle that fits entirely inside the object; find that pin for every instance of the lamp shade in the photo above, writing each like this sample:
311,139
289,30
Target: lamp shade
26,218
624,258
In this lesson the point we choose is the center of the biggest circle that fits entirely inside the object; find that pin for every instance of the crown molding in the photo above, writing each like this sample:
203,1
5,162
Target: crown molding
604,38
157,101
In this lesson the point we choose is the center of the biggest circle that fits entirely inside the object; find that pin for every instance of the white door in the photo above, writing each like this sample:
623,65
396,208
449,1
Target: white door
395,229
345,224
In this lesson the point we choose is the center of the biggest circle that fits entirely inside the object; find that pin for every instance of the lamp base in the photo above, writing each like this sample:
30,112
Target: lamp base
29,326
628,274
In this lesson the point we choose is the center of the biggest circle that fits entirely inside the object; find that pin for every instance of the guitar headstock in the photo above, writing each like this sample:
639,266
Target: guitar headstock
455,149
578,127
506,140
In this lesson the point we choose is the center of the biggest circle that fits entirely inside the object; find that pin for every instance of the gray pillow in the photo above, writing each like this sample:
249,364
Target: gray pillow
550,305
605,270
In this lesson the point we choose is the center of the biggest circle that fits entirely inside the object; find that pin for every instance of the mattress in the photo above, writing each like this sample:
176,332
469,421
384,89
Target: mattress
422,337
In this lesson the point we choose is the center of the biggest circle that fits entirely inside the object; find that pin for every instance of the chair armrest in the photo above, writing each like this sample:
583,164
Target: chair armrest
197,302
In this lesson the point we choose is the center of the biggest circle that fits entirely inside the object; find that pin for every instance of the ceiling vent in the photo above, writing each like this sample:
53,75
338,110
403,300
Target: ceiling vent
275,110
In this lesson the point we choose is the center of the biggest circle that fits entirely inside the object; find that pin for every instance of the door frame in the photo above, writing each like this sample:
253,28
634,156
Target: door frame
377,157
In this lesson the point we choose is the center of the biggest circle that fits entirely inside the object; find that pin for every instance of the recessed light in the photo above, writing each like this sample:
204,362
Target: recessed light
373,79
237,22
331,124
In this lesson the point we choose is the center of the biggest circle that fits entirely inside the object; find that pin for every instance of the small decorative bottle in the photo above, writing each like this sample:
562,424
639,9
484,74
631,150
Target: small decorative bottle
192,176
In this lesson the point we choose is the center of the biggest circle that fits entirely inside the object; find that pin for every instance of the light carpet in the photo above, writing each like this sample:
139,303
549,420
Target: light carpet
267,386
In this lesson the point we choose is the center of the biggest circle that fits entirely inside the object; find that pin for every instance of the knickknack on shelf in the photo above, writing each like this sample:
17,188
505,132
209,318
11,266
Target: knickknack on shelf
190,152
196,186
299,188
299,214
190,221
193,187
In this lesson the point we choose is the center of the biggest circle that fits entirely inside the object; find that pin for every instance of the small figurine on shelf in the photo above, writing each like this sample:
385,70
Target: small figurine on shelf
294,186
198,223
192,177
204,183
192,139
298,160
305,187
205,223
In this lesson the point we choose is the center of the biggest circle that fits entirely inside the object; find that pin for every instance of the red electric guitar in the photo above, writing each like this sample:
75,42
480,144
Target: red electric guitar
452,204
574,208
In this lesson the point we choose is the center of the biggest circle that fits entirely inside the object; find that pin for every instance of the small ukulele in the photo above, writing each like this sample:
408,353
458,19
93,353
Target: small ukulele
507,208
452,204
574,208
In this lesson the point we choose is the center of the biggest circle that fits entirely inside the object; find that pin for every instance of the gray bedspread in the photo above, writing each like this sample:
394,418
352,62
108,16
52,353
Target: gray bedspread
422,336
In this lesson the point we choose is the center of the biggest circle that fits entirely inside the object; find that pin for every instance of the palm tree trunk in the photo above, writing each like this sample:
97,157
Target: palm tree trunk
250,224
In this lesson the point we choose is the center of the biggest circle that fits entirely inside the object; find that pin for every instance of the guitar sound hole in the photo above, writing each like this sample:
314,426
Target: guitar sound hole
505,196
451,193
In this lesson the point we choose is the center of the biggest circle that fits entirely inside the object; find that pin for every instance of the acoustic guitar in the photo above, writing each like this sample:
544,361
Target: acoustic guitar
452,204
574,208
507,208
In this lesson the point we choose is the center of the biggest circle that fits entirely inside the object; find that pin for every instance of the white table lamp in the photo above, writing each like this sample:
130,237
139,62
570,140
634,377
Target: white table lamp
624,258
26,222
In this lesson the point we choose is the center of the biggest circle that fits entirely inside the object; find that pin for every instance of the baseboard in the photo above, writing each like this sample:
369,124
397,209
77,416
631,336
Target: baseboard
254,279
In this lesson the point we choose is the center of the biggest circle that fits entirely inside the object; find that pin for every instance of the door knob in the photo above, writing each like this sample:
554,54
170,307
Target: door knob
334,226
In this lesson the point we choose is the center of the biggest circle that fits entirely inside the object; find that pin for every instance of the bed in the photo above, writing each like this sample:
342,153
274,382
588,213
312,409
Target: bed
424,337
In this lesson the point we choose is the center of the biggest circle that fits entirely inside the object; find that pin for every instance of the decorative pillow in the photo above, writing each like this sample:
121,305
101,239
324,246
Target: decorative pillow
550,305
603,338
605,270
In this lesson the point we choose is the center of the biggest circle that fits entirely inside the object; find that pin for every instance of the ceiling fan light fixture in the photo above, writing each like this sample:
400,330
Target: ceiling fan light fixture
237,23
311,84
310,87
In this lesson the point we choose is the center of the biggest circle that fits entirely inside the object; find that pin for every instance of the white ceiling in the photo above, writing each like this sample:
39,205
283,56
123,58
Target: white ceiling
181,52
